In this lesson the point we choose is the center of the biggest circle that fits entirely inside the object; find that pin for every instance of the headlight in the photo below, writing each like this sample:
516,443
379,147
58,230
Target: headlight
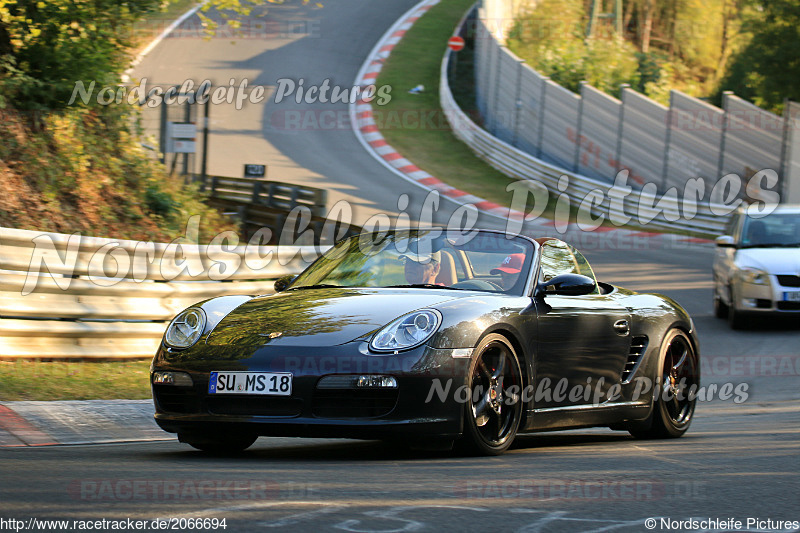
407,331
755,276
186,328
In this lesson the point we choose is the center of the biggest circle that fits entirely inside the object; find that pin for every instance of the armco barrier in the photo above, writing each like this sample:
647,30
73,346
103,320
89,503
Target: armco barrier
66,296
522,165
596,135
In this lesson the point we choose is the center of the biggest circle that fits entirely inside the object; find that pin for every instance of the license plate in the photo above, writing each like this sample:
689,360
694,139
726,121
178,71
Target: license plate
791,296
268,383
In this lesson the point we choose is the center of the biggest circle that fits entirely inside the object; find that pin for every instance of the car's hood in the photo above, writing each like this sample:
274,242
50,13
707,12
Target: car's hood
319,317
771,260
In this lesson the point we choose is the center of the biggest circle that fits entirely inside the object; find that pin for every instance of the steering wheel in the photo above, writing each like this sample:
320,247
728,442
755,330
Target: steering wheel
478,284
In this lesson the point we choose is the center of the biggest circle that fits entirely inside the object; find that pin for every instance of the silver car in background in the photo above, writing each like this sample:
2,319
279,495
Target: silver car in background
757,266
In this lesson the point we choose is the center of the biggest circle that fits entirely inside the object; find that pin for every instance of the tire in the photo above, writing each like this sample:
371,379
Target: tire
720,307
736,319
492,413
675,390
218,444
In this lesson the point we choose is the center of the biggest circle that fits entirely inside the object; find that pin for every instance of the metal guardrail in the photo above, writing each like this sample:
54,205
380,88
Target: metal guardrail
522,165
596,135
66,296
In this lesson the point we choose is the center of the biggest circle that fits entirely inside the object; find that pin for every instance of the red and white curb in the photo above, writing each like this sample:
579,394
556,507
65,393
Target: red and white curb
369,135
40,423
366,131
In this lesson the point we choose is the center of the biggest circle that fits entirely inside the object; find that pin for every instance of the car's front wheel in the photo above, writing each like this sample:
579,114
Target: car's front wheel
493,410
720,307
675,390
736,319
218,443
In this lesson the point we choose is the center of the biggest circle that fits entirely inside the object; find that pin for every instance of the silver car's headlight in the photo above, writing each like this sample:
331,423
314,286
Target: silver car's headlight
407,331
186,328
755,276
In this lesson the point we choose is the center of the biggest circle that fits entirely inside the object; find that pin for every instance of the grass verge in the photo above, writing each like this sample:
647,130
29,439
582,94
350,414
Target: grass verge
415,125
74,380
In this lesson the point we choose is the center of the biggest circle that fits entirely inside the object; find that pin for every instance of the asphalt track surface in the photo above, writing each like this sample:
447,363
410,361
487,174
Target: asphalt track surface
737,460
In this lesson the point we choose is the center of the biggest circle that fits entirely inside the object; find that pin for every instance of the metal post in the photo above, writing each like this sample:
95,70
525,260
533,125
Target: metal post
725,119
187,117
517,102
162,132
582,85
497,83
204,162
545,79
620,127
785,168
666,144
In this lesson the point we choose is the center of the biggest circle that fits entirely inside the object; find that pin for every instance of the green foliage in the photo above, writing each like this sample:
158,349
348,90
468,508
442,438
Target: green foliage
84,170
47,46
159,202
551,39
767,69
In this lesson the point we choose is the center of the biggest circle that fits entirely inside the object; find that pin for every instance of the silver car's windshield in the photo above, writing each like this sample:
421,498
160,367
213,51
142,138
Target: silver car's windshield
775,230
483,261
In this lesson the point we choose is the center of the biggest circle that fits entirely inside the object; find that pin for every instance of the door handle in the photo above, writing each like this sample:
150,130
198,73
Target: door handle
622,327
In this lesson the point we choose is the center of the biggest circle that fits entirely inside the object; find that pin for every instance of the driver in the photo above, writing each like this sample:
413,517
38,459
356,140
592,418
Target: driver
421,268
509,270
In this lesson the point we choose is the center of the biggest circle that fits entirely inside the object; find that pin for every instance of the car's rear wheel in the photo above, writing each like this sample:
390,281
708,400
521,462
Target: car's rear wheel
676,389
218,443
493,411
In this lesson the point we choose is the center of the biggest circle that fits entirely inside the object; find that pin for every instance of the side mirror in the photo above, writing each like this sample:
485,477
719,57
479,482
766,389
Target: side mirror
568,285
725,241
283,282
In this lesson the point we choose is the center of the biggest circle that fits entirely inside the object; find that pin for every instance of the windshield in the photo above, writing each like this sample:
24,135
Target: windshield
482,261
776,230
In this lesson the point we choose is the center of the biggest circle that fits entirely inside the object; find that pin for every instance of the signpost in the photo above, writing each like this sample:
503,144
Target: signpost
255,171
456,43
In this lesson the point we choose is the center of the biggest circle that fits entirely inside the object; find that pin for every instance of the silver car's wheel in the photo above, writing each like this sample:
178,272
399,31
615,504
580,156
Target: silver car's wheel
720,307
735,318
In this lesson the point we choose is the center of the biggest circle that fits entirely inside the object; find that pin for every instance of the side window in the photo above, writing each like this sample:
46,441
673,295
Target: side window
558,257
730,227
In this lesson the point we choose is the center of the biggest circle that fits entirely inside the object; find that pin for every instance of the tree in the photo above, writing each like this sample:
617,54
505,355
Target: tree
48,46
767,70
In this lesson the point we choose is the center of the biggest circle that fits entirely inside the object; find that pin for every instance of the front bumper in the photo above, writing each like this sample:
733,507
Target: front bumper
415,408
766,298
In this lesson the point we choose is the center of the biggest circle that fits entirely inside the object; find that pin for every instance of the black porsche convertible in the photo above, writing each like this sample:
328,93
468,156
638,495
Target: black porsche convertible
429,339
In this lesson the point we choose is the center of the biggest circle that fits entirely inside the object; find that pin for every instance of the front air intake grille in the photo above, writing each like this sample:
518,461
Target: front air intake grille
172,399
638,347
353,403
254,405
789,281
789,306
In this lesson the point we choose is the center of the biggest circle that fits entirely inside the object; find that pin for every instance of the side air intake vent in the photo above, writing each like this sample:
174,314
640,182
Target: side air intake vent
638,347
